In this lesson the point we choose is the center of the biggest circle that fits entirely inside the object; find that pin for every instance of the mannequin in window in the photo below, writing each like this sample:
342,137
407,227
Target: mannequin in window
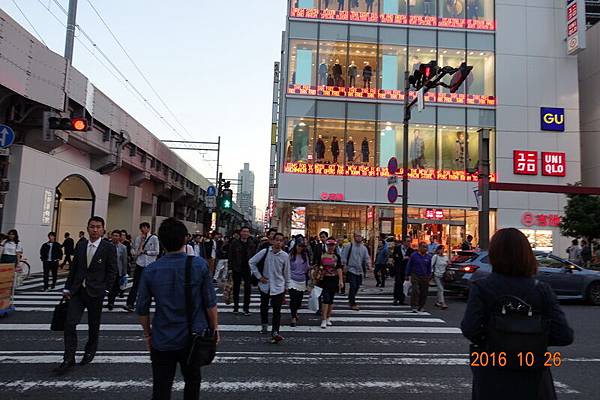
289,151
352,74
367,75
364,149
330,80
370,5
323,70
354,3
473,9
454,8
341,5
326,4
320,149
300,142
418,151
350,150
427,7
459,151
337,73
335,149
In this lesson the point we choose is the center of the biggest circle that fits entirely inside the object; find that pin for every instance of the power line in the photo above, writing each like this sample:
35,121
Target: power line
137,67
29,22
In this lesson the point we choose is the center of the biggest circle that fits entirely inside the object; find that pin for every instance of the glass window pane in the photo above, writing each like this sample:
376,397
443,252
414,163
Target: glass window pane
422,12
480,14
451,40
299,130
480,41
393,12
473,149
427,116
481,80
329,141
335,10
300,108
302,65
452,58
391,113
360,143
393,36
421,150
393,65
362,111
303,30
333,32
362,70
390,142
365,34
307,3
304,9
451,116
332,66
421,55
480,117
453,147
364,10
452,13
331,109
422,37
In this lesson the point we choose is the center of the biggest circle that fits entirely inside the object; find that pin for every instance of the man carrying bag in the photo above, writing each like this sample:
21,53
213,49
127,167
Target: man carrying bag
184,329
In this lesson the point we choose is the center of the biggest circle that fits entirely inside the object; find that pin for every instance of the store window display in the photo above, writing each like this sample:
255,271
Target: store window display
332,68
302,66
480,14
393,12
305,9
451,13
453,148
299,131
364,10
393,65
361,70
422,12
422,147
418,56
390,143
335,9
329,139
480,84
453,58
473,149
360,145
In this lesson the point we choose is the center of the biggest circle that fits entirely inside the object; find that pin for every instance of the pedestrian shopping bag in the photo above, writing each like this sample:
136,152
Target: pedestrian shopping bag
59,317
313,300
123,282
228,290
407,288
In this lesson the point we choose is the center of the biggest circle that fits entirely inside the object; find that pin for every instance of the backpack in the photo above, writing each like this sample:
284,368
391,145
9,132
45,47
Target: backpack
519,331
260,266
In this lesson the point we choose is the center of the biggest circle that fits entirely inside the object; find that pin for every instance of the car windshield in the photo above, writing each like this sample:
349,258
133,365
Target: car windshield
464,257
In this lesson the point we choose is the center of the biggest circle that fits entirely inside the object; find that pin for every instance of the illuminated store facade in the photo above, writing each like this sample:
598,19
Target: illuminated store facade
341,114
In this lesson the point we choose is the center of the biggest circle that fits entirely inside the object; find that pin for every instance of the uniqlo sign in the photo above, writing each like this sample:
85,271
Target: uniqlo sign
554,164
525,162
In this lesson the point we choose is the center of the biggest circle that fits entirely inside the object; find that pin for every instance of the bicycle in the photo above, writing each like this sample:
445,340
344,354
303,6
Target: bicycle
22,272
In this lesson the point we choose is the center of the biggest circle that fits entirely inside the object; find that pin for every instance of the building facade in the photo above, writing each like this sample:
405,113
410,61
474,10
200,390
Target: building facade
245,191
341,113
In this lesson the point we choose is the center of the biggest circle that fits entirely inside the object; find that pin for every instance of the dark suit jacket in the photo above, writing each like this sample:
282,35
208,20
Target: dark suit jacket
101,274
69,246
57,253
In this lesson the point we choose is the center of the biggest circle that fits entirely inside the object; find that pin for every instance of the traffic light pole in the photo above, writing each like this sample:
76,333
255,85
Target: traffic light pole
405,156
484,188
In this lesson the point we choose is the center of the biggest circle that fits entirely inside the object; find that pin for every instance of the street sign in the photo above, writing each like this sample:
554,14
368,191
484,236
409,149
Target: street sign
392,180
392,194
393,166
7,136
211,191
211,202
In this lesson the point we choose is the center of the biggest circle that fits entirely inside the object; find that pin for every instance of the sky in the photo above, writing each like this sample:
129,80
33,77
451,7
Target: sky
211,61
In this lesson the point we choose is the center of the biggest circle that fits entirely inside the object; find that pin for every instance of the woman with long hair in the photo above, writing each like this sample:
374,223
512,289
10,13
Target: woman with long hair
299,267
497,308
332,280
11,248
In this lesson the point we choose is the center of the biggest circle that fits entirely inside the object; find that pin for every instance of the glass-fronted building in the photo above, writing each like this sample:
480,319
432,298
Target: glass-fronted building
341,113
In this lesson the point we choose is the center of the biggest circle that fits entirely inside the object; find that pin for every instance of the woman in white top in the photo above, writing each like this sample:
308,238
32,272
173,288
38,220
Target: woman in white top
11,249
439,262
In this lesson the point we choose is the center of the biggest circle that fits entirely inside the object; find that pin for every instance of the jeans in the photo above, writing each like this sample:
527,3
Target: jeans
295,301
77,304
420,288
238,277
164,365
380,272
399,284
50,266
137,275
355,282
440,290
276,302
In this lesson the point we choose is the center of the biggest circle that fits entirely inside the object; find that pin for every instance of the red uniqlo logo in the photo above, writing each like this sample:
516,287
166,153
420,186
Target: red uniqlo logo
554,164
525,162
572,11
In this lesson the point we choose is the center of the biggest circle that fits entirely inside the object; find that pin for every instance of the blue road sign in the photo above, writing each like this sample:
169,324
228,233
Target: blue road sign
393,166
7,136
392,194
552,119
211,191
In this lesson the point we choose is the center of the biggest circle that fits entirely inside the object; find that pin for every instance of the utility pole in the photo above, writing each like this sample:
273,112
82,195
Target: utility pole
484,188
405,157
71,25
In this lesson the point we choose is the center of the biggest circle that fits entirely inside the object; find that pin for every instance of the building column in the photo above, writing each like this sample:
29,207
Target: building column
134,206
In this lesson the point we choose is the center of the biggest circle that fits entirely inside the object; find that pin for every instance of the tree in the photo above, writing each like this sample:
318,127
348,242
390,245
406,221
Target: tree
582,217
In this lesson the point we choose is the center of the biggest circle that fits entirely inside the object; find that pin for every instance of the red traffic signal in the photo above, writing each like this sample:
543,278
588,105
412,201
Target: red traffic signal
429,70
459,77
68,124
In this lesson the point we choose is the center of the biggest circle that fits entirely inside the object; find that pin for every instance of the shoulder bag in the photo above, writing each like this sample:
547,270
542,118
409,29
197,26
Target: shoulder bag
260,266
202,346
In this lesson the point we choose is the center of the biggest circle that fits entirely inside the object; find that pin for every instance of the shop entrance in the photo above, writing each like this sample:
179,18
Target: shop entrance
74,205
338,221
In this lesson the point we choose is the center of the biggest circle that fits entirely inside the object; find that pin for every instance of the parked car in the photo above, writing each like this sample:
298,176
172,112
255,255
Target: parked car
568,280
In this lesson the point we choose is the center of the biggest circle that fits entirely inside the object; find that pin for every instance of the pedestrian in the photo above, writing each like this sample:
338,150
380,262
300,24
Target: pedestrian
513,269
357,258
81,238
269,242
467,245
126,240
586,254
439,262
299,267
68,247
574,252
320,248
50,254
10,248
240,251
121,249
332,280
198,245
273,283
167,336
222,259
418,270
145,248
210,252
402,253
92,275
433,246
381,260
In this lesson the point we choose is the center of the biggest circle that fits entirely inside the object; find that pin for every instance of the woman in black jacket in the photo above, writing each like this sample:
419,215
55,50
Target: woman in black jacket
514,266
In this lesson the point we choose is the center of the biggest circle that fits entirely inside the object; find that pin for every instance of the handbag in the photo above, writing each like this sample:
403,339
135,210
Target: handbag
260,266
313,300
59,317
202,347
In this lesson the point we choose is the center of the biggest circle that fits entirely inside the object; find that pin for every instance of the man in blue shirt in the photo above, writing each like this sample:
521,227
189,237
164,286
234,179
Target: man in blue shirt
418,271
167,337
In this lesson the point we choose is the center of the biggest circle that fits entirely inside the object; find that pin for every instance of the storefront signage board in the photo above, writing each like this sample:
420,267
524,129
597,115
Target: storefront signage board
552,119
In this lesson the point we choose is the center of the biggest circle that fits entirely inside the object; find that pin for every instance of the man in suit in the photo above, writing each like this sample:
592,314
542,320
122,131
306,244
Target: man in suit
121,266
93,272
68,248
402,253
50,254
320,248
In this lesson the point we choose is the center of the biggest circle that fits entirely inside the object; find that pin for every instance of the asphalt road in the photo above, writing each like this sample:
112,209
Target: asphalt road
380,352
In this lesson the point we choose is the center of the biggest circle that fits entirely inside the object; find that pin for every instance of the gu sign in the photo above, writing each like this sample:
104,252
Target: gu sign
553,119
554,164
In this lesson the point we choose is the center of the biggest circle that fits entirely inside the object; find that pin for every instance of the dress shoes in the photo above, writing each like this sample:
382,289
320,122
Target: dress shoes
87,358
64,367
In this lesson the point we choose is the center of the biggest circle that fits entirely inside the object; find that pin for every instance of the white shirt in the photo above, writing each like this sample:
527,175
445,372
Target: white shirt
92,247
439,264
276,270
151,249
50,244
213,253
11,248
198,249
189,250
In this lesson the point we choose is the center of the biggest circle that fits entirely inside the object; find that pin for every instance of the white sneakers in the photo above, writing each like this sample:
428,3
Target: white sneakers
329,323
323,324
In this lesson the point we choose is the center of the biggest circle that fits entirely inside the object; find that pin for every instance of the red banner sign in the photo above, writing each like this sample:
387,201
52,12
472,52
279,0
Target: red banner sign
332,196
525,162
554,164
529,219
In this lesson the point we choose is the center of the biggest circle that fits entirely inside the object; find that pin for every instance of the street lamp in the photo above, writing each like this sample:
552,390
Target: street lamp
426,77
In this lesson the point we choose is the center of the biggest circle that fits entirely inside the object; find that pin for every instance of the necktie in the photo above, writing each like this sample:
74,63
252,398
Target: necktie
90,254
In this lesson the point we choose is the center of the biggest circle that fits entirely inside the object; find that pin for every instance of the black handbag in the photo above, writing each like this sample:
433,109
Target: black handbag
202,346
59,317
260,266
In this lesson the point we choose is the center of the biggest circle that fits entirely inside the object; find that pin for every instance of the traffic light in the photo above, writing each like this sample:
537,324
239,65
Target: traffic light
68,124
459,77
424,74
226,200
